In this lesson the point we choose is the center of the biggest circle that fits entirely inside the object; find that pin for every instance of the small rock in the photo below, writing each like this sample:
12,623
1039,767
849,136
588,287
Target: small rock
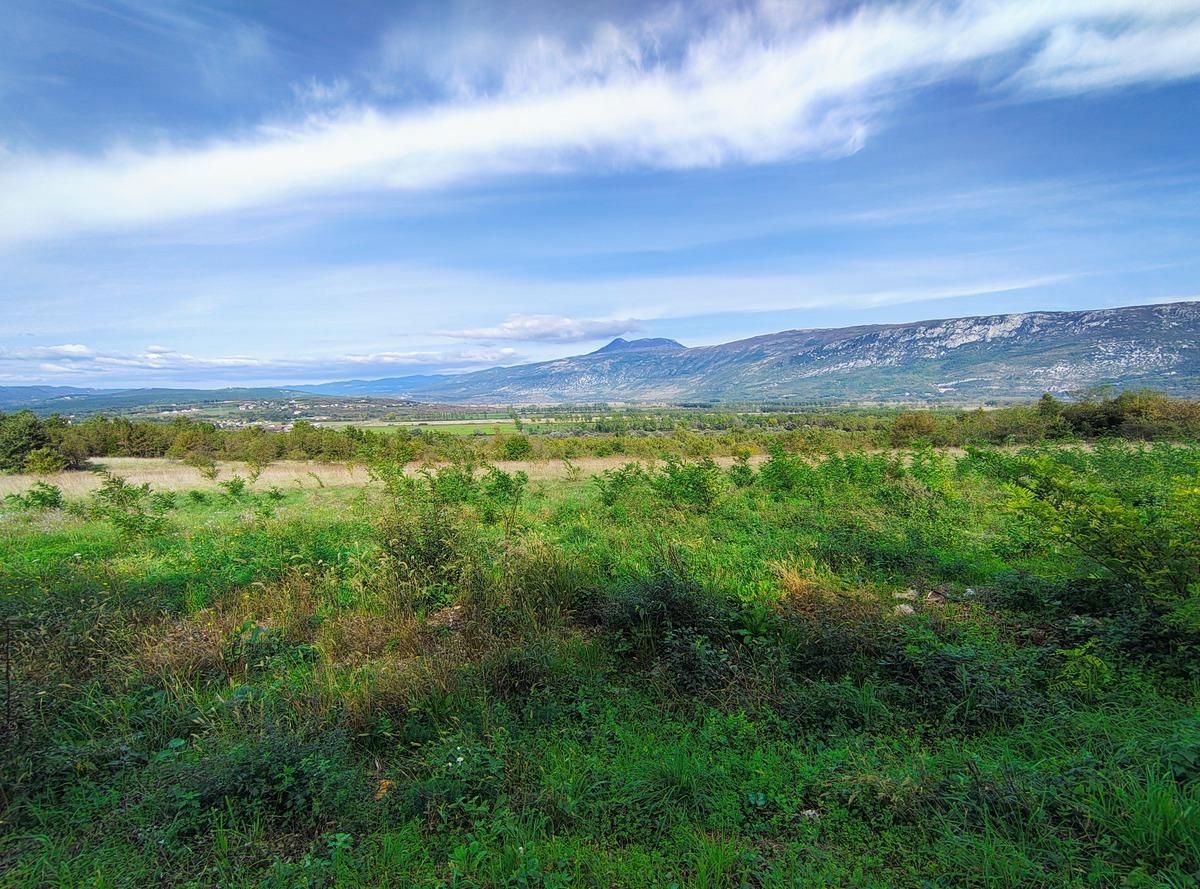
903,609
910,595
934,598
810,813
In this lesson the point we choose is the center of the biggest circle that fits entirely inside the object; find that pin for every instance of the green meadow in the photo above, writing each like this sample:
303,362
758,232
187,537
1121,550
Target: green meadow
898,668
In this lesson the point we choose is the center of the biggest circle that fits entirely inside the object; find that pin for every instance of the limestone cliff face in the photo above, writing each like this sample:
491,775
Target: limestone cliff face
960,359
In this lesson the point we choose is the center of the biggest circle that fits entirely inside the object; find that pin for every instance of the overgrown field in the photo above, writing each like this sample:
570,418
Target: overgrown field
863,669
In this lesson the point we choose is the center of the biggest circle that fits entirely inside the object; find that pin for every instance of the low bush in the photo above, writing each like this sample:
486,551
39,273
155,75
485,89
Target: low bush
40,495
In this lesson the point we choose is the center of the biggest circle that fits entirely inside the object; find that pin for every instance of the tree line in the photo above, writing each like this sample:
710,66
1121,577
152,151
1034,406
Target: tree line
29,443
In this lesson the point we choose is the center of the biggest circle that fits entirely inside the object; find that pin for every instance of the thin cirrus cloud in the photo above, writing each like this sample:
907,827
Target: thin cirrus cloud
68,362
548,329
762,83
1078,59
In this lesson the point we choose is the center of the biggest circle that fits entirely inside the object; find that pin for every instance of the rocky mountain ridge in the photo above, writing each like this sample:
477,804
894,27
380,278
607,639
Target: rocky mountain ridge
992,357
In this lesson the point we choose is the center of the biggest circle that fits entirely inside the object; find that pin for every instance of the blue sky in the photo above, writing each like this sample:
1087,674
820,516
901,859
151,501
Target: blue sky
231,193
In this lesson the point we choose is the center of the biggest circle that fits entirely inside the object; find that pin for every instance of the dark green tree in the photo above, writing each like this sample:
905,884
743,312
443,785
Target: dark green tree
20,433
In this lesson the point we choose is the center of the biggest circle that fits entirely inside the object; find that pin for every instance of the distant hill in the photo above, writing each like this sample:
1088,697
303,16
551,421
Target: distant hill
963,360
66,400
389,387
17,397
623,345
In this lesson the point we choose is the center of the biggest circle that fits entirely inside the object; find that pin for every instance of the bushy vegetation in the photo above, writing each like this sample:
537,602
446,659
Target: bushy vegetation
899,668
45,446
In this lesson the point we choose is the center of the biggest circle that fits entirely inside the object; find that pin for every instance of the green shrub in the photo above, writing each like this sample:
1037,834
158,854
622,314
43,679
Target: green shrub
44,461
696,484
783,472
235,487
500,495
740,472
133,509
516,447
614,485
40,495
913,427
1132,515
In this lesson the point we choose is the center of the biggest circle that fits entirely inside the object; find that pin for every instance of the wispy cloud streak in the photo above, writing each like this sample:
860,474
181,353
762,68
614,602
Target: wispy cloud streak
764,83
548,329
67,361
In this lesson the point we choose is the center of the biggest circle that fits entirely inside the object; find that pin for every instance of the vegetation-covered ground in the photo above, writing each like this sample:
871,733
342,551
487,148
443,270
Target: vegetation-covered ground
33,444
828,669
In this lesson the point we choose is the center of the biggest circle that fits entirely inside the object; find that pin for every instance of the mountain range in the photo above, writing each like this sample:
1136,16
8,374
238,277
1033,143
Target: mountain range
984,358
959,360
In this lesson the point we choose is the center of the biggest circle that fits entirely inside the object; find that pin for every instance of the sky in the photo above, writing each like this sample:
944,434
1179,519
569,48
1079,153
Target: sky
288,191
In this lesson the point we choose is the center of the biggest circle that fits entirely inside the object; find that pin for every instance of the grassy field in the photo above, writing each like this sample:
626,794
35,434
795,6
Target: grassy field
871,669
172,475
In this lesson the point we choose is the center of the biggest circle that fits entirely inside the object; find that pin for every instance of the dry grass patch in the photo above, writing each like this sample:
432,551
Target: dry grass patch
172,475
195,645
356,637
809,587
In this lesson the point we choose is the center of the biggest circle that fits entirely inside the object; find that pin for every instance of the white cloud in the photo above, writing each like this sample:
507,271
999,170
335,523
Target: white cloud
762,83
1076,59
66,350
162,363
548,328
